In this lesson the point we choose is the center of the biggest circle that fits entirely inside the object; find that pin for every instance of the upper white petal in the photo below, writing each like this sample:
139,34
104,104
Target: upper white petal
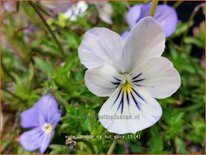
100,46
160,78
145,40
130,116
101,80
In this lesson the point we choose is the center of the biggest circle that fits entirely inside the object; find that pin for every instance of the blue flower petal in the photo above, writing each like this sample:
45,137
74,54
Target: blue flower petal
48,111
42,111
45,111
125,34
31,140
55,119
27,118
45,142
133,15
165,15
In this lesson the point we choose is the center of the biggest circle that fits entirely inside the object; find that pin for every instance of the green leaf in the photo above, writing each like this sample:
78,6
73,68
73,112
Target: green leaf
156,142
57,149
195,41
180,146
43,65
181,28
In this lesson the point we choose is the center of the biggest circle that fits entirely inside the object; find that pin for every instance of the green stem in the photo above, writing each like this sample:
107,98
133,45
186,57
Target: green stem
146,1
153,7
43,11
190,21
48,27
177,4
111,149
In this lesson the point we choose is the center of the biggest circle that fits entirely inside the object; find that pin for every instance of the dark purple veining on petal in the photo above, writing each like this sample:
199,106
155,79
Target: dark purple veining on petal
121,103
139,80
135,101
138,75
127,94
138,95
117,96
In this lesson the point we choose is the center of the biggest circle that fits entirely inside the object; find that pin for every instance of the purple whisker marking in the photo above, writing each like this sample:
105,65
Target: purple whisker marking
137,104
138,85
137,76
117,79
116,83
121,103
117,97
127,93
139,80
138,95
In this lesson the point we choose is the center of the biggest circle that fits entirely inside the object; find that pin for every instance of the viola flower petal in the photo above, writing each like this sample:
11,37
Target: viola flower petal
100,46
31,140
133,15
45,142
46,115
55,119
165,15
102,80
27,118
161,79
145,40
125,34
131,106
128,112
48,111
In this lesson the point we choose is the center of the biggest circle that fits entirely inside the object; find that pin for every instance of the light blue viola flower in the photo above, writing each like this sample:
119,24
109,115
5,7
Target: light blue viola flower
42,118
130,72
165,15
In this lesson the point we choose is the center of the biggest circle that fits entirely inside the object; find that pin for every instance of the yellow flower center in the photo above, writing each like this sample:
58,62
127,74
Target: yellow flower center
47,128
126,85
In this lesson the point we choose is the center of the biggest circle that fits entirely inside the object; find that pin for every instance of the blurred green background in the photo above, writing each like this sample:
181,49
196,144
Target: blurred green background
33,63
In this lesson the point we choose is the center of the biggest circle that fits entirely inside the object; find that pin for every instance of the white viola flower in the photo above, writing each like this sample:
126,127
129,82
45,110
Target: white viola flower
76,10
131,72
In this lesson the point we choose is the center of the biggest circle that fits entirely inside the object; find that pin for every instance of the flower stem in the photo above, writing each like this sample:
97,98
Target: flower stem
177,4
111,149
153,7
48,27
190,21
